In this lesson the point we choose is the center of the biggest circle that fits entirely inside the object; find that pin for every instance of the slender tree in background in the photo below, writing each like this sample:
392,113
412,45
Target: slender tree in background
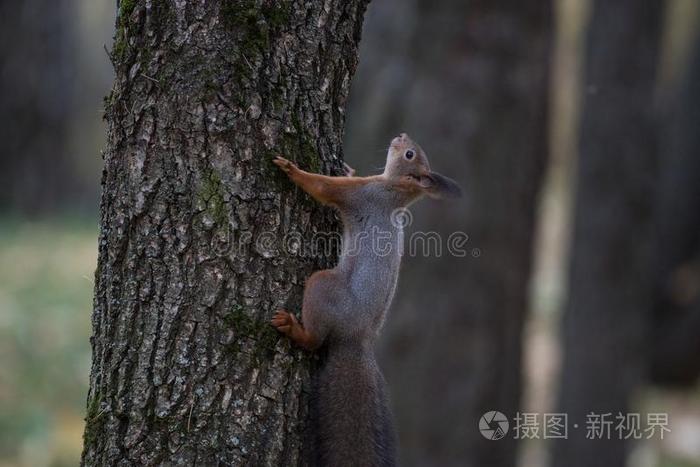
605,323
186,369
37,88
676,318
469,80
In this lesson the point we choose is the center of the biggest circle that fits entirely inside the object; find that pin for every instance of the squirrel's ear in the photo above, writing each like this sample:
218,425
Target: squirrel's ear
440,187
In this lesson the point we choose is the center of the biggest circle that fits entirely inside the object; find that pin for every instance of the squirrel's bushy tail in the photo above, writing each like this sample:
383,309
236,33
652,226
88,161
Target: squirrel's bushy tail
353,420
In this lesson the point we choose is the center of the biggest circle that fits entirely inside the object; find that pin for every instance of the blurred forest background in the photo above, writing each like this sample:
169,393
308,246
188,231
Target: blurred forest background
573,126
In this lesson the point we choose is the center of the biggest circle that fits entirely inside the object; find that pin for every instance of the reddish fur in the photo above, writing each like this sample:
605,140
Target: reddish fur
324,189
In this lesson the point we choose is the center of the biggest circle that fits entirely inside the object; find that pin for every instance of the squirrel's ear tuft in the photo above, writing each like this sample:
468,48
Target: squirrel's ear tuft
440,187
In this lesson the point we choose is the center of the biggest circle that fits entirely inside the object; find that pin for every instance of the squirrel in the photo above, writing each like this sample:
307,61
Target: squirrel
344,308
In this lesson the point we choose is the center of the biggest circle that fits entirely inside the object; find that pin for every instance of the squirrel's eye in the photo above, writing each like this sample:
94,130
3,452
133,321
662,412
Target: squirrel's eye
409,154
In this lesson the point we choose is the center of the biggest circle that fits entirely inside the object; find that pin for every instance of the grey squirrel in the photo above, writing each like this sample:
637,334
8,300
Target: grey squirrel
344,307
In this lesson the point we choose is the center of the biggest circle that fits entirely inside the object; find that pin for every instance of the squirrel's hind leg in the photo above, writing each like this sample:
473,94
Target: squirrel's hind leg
317,315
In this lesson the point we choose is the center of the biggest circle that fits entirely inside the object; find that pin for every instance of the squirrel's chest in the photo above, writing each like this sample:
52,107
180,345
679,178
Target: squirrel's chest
371,256
375,271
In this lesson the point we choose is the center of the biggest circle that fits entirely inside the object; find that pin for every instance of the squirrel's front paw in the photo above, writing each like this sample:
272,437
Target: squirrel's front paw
284,164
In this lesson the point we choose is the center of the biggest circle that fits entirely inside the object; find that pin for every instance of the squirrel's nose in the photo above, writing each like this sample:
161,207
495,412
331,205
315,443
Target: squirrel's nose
399,139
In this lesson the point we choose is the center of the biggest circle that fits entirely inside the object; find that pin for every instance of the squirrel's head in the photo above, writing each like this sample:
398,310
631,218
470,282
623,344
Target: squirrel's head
406,161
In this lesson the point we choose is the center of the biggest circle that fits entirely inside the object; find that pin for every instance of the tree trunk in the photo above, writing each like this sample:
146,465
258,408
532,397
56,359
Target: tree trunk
199,230
604,328
469,81
676,317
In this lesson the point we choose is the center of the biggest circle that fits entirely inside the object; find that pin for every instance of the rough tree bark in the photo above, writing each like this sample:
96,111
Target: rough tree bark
609,304
469,81
186,369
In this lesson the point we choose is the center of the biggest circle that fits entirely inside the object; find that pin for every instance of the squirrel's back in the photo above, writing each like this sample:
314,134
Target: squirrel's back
354,423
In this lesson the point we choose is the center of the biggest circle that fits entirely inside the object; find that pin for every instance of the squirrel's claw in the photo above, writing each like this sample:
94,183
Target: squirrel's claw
280,318
284,164
287,324
284,321
349,171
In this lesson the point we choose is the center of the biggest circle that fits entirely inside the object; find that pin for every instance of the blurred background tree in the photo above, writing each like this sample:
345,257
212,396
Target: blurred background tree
469,81
38,101
605,325
53,75
576,116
